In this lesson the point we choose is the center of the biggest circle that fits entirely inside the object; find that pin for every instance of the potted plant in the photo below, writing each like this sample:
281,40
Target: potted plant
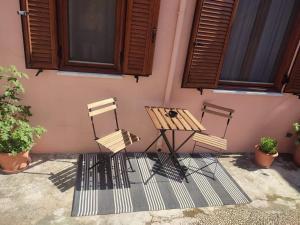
266,152
17,136
296,127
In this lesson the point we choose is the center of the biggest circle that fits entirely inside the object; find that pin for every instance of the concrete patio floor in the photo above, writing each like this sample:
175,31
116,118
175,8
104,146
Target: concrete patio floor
43,195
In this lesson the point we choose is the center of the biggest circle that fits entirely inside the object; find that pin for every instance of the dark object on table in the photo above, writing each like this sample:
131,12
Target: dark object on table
172,113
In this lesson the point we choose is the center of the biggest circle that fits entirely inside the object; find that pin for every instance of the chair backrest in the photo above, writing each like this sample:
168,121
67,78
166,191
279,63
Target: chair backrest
217,111
97,108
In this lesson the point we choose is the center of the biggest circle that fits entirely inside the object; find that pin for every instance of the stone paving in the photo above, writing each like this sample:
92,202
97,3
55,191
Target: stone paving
43,195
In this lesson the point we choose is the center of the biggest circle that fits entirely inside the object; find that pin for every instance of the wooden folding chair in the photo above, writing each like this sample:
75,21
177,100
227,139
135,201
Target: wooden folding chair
117,141
211,142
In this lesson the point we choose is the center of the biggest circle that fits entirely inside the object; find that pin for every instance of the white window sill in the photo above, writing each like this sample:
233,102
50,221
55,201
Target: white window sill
262,93
82,74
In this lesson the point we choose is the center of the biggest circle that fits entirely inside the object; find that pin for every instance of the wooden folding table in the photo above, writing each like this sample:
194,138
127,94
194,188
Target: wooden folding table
184,121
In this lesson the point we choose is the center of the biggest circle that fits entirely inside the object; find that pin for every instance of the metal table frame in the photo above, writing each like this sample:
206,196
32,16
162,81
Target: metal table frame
172,150
188,119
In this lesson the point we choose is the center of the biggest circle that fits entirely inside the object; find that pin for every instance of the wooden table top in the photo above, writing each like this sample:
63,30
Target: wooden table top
184,120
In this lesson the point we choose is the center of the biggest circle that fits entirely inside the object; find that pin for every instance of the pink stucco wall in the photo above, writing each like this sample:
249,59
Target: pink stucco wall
59,102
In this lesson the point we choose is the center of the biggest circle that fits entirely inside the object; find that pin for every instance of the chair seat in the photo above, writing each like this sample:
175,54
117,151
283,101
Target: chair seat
118,140
210,140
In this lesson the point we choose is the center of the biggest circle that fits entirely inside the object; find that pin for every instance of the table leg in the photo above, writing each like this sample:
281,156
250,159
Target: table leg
168,143
152,174
152,143
173,139
173,153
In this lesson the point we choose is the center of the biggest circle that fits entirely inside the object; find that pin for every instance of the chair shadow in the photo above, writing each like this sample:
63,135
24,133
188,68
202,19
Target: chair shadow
109,174
38,159
31,165
34,161
65,179
202,168
114,173
172,172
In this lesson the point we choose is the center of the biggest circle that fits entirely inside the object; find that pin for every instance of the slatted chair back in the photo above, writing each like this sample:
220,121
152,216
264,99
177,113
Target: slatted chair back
217,111
100,107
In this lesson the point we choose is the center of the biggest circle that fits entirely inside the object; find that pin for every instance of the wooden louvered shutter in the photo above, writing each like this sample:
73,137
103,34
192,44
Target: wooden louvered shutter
210,34
140,34
291,58
293,85
39,33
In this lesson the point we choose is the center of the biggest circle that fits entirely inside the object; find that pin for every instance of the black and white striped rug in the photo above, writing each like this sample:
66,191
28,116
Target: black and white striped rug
107,190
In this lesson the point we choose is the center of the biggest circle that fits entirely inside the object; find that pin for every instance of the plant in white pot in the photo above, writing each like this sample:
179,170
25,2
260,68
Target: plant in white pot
17,136
296,157
266,152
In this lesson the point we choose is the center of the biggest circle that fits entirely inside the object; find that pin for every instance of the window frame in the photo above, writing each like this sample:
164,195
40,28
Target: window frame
246,85
199,79
65,64
275,86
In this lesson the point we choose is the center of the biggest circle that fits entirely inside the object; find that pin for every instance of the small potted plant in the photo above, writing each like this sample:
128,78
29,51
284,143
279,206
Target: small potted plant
296,127
266,152
17,136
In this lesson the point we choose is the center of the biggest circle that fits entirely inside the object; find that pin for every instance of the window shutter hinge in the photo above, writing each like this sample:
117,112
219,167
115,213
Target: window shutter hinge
201,90
137,78
285,79
22,13
154,31
38,72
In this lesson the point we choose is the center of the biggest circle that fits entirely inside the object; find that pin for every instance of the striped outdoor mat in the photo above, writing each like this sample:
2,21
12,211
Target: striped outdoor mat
107,190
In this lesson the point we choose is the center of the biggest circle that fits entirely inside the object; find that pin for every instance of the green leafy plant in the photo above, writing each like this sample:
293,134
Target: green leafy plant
268,145
296,127
16,134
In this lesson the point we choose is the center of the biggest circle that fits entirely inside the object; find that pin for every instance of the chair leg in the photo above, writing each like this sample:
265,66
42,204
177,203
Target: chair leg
113,167
132,170
96,164
216,164
192,154
216,160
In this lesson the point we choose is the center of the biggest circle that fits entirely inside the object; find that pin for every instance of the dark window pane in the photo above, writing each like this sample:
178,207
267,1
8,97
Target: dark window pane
239,39
92,30
255,41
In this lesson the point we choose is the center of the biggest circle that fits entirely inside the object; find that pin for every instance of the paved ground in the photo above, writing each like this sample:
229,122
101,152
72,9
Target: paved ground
43,195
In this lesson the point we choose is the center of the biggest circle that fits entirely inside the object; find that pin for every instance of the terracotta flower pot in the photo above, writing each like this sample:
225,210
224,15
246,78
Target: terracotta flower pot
297,156
263,159
14,163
